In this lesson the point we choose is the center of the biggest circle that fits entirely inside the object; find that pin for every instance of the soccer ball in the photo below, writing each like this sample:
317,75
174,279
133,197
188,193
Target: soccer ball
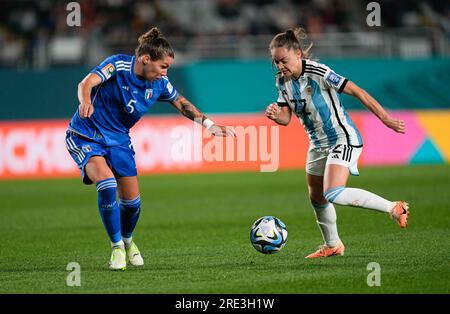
268,235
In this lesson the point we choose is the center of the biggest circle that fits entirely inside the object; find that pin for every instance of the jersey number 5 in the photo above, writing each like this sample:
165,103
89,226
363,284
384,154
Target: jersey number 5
130,108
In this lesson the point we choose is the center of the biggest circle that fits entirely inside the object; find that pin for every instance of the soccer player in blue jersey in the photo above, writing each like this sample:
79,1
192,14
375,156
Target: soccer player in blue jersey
310,91
113,97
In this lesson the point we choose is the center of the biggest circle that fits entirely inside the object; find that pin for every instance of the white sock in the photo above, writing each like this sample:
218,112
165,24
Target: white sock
127,241
120,244
358,198
326,220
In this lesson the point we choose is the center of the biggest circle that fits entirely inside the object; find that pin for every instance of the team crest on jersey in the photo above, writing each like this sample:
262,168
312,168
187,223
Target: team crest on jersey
148,93
108,70
86,148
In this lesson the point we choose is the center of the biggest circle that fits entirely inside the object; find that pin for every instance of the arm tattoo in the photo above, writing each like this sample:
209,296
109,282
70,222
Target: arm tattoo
188,109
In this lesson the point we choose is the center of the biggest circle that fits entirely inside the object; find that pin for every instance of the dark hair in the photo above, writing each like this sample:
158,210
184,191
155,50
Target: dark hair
154,44
292,39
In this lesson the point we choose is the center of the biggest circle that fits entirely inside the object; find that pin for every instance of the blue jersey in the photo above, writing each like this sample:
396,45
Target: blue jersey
119,101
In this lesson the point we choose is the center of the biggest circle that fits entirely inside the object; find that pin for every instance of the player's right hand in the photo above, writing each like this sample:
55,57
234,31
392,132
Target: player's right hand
395,124
86,110
273,111
219,130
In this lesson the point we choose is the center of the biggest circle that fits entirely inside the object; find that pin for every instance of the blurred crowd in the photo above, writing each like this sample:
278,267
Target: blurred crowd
24,24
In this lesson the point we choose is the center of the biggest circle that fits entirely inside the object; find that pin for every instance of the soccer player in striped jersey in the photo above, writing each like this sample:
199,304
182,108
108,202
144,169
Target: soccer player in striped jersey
309,90
113,97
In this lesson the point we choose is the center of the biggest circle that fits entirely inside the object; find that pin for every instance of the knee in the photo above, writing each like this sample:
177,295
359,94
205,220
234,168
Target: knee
331,193
97,169
316,198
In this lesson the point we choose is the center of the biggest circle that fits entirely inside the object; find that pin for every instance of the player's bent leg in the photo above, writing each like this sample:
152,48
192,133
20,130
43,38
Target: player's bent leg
97,169
130,208
326,219
334,176
335,191
99,172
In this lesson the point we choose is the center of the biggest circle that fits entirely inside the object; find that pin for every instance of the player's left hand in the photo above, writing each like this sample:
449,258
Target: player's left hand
219,130
395,124
273,111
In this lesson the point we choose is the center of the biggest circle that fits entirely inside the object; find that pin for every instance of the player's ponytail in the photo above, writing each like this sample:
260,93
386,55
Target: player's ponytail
293,39
154,44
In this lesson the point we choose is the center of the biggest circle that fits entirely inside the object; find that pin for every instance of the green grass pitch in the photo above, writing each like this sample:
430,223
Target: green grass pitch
194,236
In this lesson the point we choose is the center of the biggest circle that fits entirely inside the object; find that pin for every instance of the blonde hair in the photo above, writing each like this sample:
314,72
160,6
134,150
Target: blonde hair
154,44
293,39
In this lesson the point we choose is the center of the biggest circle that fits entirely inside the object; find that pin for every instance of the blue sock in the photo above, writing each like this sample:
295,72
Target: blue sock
109,209
130,210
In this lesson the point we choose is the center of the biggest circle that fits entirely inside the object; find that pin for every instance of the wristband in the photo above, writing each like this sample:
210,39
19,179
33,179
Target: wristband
207,123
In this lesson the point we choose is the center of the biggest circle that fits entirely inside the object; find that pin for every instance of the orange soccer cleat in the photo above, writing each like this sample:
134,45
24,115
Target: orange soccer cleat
327,251
400,213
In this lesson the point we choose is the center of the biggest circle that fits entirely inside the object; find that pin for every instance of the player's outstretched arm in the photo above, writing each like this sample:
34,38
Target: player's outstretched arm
188,110
281,115
395,124
86,109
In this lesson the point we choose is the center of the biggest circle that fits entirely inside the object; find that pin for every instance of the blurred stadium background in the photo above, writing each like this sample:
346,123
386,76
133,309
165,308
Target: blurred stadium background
222,64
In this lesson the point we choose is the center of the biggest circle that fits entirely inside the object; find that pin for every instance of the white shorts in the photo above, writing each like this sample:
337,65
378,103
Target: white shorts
340,154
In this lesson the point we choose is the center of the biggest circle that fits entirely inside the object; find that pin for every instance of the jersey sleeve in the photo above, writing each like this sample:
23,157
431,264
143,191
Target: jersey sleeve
106,69
281,101
329,78
335,81
169,92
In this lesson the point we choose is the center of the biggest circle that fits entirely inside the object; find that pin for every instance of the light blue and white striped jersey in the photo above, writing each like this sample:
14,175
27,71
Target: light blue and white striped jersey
314,99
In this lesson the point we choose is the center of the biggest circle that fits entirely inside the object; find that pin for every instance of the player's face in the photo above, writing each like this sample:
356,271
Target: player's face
154,70
287,61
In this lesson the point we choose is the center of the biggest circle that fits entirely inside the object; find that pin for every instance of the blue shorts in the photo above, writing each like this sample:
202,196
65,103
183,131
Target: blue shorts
119,158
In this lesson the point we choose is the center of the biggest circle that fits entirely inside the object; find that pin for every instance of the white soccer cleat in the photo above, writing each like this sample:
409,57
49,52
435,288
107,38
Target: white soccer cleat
134,255
118,260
